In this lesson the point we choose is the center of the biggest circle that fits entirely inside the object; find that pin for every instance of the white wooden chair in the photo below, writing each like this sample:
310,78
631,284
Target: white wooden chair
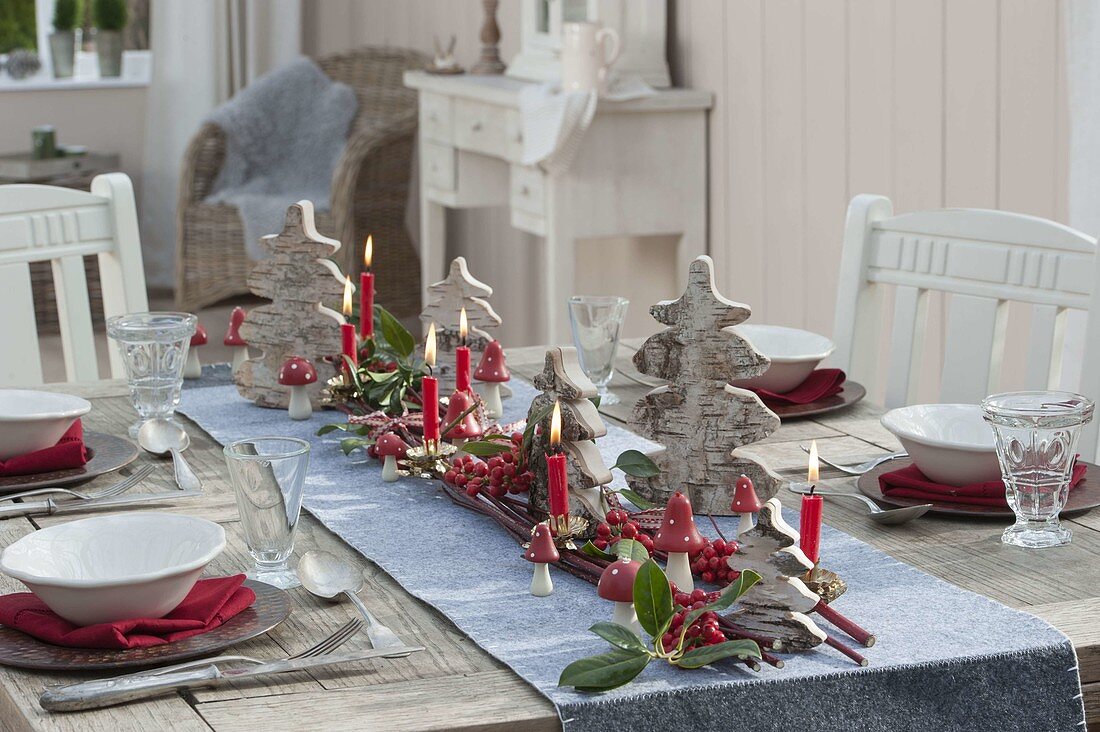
983,259
62,225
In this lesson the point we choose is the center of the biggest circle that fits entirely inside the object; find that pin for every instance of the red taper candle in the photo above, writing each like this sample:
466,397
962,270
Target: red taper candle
557,478
462,356
348,345
809,520
366,293
430,388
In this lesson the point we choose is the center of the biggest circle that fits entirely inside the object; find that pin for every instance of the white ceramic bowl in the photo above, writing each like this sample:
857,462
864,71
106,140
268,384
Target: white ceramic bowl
950,443
107,568
35,420
794,354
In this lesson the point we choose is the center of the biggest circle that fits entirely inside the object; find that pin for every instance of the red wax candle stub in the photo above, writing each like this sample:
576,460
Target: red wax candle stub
462,368
347,342
559,485
366,304
809,526
430,386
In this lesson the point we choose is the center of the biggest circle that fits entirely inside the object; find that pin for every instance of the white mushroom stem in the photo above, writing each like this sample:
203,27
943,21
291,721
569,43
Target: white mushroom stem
745,524
389,469
678,571
300,407
193,368
240,355
541,584
625,616
491,397
458,442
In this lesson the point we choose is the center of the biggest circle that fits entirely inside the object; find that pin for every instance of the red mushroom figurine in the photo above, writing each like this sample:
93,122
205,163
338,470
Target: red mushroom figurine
745,502
679,537
192,369
541,553
390,447
233,338
492,371
468,427
617,584
298,373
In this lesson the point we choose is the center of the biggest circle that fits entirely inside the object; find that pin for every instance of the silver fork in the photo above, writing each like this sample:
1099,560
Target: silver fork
112,490
341,636
861,468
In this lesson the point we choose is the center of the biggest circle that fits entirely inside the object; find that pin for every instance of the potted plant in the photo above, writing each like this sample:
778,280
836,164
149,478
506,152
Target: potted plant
66,19
110,17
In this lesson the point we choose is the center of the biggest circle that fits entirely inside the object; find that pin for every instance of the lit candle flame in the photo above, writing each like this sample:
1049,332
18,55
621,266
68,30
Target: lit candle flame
368,253
347,297
812,475
463,329
429,346
555,426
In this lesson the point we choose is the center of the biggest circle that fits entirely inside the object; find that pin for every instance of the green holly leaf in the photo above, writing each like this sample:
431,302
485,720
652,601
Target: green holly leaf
652,598
351,444
594,551
485,448
637,500
396,336
605,671
630,549
704,655
729,595
636,464
620,637
325,429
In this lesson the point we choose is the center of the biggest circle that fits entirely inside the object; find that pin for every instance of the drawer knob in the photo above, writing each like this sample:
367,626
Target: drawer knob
524,191
476,127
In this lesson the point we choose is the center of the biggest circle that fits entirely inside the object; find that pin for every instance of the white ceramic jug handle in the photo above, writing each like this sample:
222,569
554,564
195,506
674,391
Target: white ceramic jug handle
608,37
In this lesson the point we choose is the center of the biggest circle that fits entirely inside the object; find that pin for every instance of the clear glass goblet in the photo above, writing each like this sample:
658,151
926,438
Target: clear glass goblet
1036,435
597,322
268,476
153,347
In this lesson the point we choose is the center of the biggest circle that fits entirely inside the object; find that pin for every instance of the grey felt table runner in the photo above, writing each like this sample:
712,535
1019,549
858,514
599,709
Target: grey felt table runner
946,658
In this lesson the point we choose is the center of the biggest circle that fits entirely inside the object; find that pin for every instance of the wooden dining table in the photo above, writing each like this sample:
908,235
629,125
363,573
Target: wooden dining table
454,684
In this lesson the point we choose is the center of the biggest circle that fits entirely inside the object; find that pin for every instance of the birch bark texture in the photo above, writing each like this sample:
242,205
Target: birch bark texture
297,277
699,418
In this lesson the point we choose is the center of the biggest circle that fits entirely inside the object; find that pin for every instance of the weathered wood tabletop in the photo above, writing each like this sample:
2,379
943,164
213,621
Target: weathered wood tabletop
455,684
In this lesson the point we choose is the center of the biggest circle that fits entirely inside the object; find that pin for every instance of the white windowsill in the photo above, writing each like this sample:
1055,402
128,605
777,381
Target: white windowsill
137,71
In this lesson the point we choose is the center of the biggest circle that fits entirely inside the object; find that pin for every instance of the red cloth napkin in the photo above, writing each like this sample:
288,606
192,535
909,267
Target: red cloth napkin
210,603
818,385
910,482
69,452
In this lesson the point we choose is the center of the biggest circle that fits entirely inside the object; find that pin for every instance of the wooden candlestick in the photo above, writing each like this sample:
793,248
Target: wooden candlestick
489,62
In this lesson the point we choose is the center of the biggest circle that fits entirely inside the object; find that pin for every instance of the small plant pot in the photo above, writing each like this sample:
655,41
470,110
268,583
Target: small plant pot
109,47
63,53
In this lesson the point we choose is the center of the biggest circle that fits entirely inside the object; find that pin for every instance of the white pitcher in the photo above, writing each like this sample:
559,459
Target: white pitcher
587,53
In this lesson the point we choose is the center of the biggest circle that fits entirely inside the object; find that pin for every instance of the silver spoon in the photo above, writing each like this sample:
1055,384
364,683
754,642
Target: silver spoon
887,517
326,575
159,436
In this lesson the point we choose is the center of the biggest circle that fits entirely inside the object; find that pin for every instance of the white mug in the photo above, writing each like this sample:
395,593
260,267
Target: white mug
585,57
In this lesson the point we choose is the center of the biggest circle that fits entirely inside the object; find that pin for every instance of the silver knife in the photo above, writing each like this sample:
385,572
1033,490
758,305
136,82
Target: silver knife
51,507
121,689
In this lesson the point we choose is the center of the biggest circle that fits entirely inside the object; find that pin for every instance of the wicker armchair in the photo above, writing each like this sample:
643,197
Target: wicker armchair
370,189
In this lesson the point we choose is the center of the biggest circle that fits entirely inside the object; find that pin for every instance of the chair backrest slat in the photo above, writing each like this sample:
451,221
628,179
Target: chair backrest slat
974,346
906,343
20,363
1045,342
62,225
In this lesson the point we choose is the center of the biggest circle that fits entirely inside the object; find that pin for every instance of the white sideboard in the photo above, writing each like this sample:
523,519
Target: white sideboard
640,171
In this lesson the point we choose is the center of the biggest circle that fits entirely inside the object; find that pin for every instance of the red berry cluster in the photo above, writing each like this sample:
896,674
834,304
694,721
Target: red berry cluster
704,631
498,476
710,564
617,526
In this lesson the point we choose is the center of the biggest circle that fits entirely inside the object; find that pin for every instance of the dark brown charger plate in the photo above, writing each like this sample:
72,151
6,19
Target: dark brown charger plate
848,395
107,453
1082,498
271,608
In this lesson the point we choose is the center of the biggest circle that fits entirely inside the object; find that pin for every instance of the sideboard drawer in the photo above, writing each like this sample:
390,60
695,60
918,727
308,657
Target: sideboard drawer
439,166
482,128
528,190
435,117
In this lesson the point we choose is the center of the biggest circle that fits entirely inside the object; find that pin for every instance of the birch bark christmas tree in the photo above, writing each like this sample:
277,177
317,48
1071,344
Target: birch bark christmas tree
562,380
446,299
699,417
297,278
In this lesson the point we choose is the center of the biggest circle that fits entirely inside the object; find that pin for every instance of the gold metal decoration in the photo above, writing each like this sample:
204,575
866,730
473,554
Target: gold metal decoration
825,583
420,462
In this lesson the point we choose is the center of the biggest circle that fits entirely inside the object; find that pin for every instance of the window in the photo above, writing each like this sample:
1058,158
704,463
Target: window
17,25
